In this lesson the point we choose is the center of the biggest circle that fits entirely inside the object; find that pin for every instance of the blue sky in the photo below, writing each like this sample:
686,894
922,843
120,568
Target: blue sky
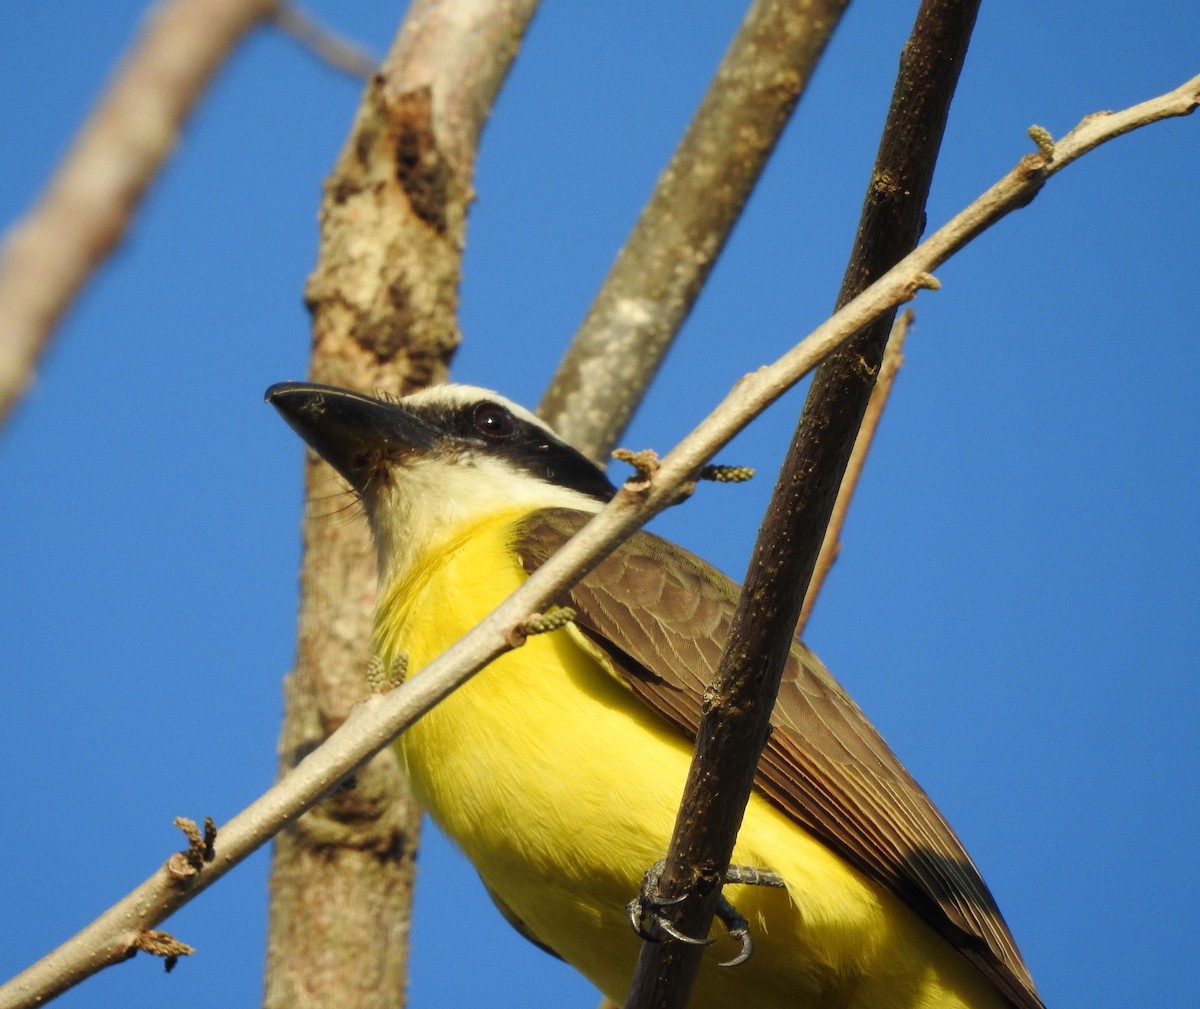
1015,606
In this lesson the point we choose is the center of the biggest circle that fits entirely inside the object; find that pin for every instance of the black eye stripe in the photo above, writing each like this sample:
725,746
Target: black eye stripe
487,428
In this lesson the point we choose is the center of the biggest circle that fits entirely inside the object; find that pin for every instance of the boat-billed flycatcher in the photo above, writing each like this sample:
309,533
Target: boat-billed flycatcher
559,767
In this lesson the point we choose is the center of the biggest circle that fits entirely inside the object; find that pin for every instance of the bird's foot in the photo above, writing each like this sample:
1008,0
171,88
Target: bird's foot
647,909
648,920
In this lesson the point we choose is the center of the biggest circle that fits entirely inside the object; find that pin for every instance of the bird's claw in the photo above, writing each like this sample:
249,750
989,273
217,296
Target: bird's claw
647,907
738,929
735,924
663,922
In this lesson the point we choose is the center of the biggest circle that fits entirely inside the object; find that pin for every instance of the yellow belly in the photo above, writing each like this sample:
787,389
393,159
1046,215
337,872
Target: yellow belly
561,787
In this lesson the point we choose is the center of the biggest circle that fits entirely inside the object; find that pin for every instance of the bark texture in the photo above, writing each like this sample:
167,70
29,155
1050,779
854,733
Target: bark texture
383,298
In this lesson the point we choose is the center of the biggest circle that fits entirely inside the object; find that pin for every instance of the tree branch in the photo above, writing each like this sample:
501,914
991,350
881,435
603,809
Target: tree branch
86,208
893,357
699,197
330,48
737,719
384,298
374,723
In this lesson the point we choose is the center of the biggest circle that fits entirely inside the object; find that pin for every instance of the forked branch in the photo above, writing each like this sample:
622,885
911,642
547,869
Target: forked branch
893,357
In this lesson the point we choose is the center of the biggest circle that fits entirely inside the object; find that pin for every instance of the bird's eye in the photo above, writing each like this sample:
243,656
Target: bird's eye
493,421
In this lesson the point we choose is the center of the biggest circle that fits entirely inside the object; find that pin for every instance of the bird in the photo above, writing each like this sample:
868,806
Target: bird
558,768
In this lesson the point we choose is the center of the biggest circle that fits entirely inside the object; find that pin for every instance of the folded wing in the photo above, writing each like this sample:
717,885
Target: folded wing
661,615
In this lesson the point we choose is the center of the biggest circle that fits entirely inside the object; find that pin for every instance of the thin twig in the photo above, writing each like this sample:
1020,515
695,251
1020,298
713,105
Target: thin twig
699,197
893,357
375,722
325,44
90,201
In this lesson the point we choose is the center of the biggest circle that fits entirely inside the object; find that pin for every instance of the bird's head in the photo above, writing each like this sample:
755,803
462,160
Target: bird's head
427,464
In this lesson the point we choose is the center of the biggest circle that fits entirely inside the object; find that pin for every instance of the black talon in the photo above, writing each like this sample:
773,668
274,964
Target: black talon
648,905
635,909
735,924
665,923
739,929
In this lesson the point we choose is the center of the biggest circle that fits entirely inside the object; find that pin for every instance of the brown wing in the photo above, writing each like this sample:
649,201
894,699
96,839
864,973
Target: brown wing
662,615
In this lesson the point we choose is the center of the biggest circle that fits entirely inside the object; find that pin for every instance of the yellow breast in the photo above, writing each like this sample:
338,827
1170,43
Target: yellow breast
561,787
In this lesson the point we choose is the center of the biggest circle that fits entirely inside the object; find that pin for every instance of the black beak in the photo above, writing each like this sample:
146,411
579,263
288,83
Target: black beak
355,434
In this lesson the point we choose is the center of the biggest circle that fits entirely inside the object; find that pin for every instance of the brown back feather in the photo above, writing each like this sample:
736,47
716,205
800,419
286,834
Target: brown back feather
662,616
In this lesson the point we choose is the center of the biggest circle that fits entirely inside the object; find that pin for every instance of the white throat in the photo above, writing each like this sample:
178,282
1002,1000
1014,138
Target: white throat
428,501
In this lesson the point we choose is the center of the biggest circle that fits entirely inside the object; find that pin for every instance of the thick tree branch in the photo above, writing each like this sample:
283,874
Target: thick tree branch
737,720
699,197
86,208
384,298
373,724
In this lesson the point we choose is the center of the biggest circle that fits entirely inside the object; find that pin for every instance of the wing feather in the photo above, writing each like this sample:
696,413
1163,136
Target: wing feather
661,615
